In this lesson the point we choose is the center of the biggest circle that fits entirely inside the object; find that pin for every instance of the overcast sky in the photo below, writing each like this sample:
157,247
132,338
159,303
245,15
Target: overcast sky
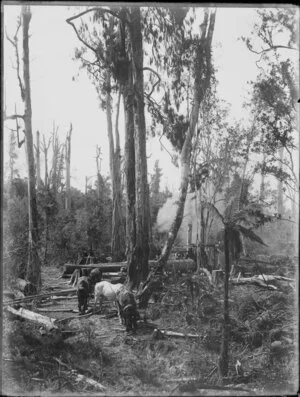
58,97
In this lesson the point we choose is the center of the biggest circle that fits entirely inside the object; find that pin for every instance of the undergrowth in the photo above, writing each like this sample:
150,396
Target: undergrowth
143,364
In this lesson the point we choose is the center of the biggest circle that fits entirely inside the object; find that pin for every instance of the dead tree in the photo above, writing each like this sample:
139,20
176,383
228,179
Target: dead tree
68,167
33,265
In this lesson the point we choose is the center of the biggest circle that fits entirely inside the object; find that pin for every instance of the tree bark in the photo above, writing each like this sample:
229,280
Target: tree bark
117,194
114,162
141,174
130,180
33,267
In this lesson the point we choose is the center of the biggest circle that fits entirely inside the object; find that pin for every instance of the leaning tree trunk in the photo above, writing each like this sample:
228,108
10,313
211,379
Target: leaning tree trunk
33,267
202,74
141,175
223,359
202,66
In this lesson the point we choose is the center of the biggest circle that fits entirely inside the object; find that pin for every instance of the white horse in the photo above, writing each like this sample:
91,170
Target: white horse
106,290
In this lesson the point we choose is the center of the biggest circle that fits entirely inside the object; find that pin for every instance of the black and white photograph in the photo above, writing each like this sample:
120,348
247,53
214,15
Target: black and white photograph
150,199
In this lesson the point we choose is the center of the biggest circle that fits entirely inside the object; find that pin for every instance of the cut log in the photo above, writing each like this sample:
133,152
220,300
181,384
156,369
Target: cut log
267,277
56,310
26,287
60,298
181,265
49,323
104,267
176,334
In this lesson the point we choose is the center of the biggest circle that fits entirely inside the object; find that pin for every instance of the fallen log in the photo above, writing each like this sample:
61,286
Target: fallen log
56,310
26,287
252,280
174,334
267,277
190,384
180,265
59,298
49,323
69,268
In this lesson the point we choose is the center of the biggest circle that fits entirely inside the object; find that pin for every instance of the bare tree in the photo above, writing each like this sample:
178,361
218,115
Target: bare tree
68,172
33,265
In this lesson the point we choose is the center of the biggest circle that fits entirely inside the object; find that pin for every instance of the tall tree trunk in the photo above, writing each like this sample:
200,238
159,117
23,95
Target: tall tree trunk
141,174
130,182
114,172
117,195
68,170
33,266
38,161
223,359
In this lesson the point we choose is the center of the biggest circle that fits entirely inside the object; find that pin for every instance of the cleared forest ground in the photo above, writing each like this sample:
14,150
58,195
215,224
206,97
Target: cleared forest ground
150,363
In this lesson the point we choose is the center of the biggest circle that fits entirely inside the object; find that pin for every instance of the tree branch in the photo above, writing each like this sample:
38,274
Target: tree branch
79,38
274,48
96,9
14,43
157,82
14,117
